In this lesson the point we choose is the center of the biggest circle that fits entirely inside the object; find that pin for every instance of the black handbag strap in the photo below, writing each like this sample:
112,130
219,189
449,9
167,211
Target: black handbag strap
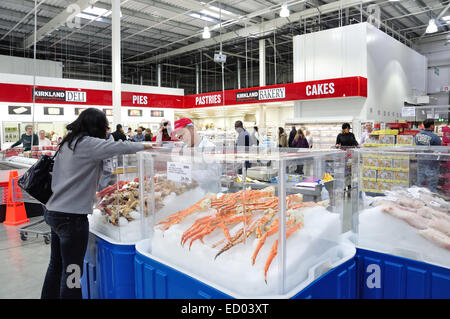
53,157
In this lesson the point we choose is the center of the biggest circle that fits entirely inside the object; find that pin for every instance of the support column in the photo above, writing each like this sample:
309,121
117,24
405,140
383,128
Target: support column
297,109
116,60
197,79
159,74
262,62
239,73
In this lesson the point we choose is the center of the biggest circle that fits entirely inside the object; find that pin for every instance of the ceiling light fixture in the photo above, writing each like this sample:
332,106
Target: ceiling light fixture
284,12
432,27
206,34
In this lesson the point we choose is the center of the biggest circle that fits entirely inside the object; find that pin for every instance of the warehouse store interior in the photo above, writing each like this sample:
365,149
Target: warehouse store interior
320,141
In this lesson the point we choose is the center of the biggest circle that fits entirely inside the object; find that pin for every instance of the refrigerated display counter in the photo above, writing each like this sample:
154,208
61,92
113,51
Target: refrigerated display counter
241,243
403,208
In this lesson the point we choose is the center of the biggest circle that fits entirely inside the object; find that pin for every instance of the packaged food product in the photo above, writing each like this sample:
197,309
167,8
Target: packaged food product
384,162
369,161
400,163
387,139
401,176
384,186
369,173
389,175
405,139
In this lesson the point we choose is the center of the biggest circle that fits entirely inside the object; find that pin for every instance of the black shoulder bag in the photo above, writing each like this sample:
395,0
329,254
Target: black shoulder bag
37,180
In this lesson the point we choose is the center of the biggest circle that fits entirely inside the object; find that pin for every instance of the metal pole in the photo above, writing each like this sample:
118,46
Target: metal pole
34,73
116,59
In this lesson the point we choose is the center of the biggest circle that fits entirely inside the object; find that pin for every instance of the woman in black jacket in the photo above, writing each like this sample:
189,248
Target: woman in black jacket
346,138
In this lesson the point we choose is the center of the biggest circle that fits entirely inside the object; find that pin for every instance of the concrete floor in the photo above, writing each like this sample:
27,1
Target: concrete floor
23,264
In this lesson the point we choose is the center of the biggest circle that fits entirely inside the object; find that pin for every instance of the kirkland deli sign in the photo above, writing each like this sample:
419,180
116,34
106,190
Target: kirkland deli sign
60,96
261,95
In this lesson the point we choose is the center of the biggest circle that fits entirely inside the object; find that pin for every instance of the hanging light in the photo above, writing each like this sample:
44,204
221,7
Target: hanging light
432,27
284,12
206,34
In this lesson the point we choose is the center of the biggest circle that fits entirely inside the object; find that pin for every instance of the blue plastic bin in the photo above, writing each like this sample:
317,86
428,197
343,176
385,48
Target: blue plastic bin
155,280
108,270
399,277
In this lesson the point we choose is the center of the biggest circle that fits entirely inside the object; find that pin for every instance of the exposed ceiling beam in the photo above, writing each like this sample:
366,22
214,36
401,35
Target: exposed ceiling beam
258,29
56,22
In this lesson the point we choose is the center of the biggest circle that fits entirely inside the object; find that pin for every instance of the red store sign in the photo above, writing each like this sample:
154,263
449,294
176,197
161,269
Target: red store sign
16,93
323,89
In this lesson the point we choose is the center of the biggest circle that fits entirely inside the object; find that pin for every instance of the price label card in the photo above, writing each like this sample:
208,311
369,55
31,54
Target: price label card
179,172
408,111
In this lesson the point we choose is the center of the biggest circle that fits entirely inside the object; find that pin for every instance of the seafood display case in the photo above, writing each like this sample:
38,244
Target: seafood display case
116,213
410,217
242,239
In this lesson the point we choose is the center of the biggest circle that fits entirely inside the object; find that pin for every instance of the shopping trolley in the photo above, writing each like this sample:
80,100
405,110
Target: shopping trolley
38,227
348,167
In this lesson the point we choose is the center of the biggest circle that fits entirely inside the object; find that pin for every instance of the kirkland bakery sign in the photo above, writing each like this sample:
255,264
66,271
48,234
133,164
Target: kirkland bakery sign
60,96
261,95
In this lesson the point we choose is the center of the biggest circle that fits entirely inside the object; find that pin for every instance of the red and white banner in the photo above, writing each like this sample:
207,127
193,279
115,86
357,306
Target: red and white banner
323,89
18,93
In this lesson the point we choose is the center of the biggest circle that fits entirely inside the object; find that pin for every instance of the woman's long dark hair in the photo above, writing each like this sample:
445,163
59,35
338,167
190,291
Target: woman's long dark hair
91,122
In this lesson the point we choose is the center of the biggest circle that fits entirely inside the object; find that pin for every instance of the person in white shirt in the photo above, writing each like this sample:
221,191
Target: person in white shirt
43,141
185,131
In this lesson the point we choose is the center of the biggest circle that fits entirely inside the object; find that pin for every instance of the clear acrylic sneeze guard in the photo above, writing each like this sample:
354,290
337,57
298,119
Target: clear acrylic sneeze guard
403,202
116,215
268,237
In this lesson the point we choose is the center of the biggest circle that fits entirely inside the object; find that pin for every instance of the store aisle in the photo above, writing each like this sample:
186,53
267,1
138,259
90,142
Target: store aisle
22,263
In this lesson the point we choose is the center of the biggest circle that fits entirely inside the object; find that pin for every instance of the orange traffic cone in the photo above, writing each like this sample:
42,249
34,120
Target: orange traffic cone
15,211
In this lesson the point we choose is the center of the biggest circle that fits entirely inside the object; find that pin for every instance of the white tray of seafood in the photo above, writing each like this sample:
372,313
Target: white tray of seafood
210,245
412,223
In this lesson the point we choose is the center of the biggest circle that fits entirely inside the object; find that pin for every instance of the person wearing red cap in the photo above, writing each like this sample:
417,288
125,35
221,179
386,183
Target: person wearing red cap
185,131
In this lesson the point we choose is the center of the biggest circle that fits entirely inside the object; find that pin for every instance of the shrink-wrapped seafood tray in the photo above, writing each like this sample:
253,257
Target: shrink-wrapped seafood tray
412,220
246,242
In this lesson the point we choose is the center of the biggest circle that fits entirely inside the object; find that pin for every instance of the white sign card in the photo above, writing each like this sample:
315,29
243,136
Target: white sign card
408,111
179,172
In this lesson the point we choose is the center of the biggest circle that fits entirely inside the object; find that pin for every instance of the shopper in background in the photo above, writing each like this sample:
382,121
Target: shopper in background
75,179
43,141
292,136
428,167
346,138
165,135
54,137
243,138
185,131
119,134
139,137
309,138
366,133
282,138
255,136
427,136
148,135
300,140
129,134
26,138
